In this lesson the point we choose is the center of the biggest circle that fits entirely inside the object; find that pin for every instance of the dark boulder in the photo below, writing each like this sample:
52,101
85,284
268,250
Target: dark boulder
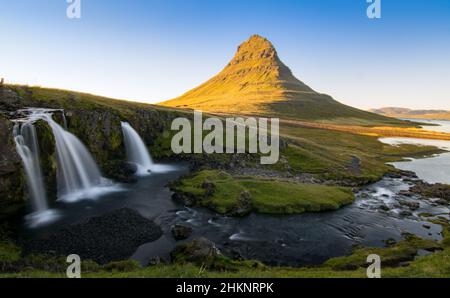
198,251
181,232
244,204
120,171
410,205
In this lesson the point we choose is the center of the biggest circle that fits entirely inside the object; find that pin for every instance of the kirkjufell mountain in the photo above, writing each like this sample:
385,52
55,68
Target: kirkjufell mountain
257,82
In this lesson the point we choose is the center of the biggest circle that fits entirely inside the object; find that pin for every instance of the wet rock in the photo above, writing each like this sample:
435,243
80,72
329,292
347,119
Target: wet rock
442,202
405,193
364,195
244,205
409,174
235,255
209,187
394,175
120,171
181,232
441,191
198,251
410,205
426,226
390,242
156,261
405,213
186,199
384,207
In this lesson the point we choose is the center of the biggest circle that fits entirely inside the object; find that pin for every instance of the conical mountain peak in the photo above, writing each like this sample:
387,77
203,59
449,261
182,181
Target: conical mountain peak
255,48
256,81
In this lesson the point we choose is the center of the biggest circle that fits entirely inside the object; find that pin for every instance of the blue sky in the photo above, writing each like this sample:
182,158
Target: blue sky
152,50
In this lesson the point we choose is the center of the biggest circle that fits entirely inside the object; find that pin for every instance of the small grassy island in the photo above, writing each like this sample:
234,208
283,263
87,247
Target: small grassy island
227,194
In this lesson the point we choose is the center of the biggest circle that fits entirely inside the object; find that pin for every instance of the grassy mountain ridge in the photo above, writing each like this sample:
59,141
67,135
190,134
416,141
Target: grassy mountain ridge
257,82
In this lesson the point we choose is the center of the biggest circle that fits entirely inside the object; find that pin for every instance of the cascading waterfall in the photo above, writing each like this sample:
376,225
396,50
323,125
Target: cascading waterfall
27,147
138,154
78,176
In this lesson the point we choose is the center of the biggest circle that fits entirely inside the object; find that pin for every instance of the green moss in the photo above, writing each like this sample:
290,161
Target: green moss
266,195
403,251
122,266
9,252
47,157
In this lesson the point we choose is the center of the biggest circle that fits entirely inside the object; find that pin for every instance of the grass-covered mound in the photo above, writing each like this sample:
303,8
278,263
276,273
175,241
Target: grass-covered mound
238,195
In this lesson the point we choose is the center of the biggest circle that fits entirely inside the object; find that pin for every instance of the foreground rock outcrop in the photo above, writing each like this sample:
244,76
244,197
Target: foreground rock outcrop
11,178
198,251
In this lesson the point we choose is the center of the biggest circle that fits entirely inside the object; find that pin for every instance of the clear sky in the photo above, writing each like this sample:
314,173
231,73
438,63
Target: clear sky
153,50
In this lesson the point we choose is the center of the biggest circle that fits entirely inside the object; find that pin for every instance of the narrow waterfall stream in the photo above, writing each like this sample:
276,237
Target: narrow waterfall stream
138,154
28,148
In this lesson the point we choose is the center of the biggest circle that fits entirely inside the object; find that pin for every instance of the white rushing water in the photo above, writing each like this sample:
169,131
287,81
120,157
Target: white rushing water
138,154
435,169
27,147
78,176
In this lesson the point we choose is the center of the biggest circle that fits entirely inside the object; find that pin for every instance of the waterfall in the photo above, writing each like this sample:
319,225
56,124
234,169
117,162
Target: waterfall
78,176
137,153
28,149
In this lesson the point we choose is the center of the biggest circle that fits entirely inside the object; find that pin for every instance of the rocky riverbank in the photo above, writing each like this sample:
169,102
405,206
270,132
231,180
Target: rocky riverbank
110,237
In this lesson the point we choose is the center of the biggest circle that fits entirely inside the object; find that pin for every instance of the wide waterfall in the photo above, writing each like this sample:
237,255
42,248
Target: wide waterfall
138,154
78,176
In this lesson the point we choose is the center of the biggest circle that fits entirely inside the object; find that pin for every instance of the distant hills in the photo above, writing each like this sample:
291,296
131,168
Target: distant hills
257,82
409,113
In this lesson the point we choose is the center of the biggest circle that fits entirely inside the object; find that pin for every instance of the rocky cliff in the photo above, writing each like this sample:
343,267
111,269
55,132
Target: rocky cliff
11,178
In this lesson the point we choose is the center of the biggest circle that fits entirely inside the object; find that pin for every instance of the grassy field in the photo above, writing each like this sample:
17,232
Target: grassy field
330,153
